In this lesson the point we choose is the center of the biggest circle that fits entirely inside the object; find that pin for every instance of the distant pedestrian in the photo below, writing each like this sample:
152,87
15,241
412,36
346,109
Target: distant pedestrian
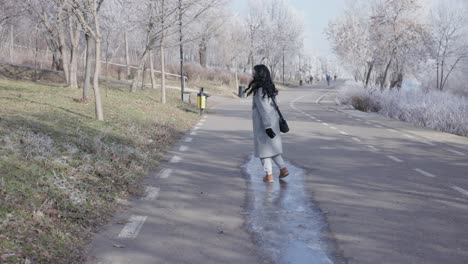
335,77
328,77
311,80
267,138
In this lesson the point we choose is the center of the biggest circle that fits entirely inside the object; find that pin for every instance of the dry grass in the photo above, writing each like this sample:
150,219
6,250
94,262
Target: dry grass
62,172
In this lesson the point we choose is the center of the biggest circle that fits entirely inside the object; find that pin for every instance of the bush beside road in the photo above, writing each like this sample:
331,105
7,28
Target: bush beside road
441,111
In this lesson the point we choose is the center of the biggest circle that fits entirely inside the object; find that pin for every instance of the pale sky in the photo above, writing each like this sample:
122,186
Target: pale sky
317,14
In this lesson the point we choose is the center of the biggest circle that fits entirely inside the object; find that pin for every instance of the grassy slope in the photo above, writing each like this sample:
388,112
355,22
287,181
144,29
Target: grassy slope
62,173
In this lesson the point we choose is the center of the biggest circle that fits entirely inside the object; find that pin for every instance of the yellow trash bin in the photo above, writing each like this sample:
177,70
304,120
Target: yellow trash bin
201,100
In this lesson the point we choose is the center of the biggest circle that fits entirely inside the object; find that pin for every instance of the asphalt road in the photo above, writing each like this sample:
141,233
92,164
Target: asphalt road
370,190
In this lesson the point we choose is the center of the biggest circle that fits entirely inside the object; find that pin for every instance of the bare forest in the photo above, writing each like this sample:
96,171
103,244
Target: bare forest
384,43
159,40
410,58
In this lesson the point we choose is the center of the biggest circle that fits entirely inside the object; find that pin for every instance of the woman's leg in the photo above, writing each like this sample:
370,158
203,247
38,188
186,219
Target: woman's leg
281,165
268,168
267,165
278,159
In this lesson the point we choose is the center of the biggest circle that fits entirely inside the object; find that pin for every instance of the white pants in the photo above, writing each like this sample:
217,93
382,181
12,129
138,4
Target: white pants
268,163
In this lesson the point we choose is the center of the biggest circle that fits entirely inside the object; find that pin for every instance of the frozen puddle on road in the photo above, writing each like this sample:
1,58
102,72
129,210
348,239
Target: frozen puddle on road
284,223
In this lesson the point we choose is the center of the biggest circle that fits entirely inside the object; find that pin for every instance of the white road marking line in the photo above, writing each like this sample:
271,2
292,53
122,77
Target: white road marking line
456,152
394,158
460,190
188,139
151,193
297,99
321,98
379,126
367,122
334,128
175,159
428,143
133,227
327,148
392,130
358,119
343,133
425,173
372,148
408,136
325,124
356,139
183,148
193,133
318,120
165,173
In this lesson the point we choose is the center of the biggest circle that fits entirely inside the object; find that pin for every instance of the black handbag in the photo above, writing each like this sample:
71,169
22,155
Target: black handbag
283,125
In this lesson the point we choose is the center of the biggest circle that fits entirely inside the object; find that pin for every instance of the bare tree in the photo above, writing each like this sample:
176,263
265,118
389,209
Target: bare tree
86,12
448,46
50,14
384,38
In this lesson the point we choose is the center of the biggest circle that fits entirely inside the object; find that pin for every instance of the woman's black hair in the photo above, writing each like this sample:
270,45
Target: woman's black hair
262,79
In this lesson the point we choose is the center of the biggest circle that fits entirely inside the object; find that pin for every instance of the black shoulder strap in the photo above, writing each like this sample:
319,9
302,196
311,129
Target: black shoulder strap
276,107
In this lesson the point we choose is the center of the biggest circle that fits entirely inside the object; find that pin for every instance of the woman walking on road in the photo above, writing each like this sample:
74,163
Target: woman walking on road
267,139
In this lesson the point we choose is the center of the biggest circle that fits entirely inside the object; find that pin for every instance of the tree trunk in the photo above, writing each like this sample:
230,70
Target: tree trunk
284,83
63,46
442,68
202,52
144,77
384,77
163,73
153,78
35,60
57,61
75,42
12,44
181,51
97,94
369,72
236,74
74,67
107,76
136,79
87,77
127,56
251,53
399,83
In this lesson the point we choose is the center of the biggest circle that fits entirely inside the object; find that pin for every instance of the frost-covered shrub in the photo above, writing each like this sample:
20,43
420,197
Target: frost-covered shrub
361,99
438,110
28,144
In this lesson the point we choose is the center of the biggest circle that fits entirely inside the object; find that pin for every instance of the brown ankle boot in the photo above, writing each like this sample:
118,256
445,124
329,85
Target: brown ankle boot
268,178
283,173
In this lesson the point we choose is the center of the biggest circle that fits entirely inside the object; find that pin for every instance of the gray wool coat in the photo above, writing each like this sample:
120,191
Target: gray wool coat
264,116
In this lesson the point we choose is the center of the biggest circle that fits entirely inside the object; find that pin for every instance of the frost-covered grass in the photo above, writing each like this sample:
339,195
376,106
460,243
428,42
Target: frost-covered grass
62,173
434,109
